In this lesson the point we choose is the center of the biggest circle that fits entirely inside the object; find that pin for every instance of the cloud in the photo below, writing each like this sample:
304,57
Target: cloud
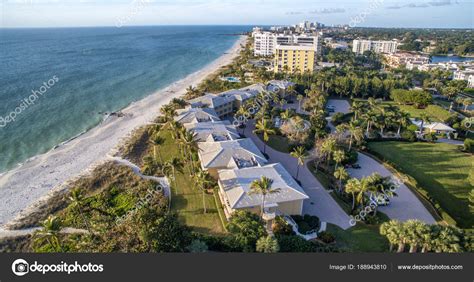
435,3
329,11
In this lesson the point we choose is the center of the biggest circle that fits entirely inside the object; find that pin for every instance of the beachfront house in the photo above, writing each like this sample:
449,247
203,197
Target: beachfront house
213,131
222,105
232,154
196,115
235,191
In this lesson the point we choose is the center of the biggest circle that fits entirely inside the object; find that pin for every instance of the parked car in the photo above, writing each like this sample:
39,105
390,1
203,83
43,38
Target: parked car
356,166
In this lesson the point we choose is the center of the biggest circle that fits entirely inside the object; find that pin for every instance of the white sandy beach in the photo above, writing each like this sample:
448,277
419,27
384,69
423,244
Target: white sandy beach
22,188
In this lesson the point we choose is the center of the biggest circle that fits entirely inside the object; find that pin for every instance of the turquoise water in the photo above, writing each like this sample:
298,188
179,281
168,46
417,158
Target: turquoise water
70,77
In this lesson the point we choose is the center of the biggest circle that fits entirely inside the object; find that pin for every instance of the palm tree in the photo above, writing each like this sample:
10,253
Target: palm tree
49,232
169,112
242,113
357,108
424,119
353,187
446,240
466,103
391,230
286,115
328,147
202,181
339,156
77,202
371,118
341,175
156,141
403,120
191,144
191,92
356,134
300,99
264,127
173,165
263,186
415,230
300,154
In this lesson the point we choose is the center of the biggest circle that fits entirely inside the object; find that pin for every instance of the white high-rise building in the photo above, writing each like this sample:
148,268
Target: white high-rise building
265,42
386,47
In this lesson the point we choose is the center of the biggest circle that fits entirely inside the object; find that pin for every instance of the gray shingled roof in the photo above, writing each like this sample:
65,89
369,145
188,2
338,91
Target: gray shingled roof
230,154
211,131
195,115
236,185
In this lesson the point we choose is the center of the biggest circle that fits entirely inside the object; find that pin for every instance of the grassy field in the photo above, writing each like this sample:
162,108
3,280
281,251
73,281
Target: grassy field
187,200
277,142
360,238
435,112
441,169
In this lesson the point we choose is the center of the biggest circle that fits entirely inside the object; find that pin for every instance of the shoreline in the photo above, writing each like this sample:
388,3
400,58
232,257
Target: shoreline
25,187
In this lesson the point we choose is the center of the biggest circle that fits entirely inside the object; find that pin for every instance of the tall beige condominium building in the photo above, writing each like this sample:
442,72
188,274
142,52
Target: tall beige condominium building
295,58
265,42
386,47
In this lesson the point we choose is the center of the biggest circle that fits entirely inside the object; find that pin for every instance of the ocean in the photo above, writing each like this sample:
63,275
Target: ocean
57,83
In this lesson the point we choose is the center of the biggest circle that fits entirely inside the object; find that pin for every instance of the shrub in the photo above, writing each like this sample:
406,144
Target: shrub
469,145
409,135
267,244
413,128
431,137
296,244
281,227
337,118
351,158
326,237
247,228
306,223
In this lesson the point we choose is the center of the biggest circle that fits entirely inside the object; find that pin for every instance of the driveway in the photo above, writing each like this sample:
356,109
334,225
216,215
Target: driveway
403,207
450,141
320,204
341,106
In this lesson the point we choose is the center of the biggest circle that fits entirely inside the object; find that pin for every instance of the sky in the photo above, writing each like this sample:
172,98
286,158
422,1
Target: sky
371,13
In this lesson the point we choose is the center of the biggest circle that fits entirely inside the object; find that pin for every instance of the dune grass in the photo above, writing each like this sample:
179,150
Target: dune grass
441,169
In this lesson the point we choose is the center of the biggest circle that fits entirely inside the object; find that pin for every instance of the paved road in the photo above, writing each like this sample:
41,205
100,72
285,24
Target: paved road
403,207
320,204
342,106
450,141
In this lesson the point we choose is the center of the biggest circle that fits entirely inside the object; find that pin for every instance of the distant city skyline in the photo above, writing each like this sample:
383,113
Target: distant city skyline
364,13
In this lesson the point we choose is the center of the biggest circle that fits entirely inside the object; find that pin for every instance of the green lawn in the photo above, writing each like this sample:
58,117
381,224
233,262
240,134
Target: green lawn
277,142
441,169
435,112
187,200
360,238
